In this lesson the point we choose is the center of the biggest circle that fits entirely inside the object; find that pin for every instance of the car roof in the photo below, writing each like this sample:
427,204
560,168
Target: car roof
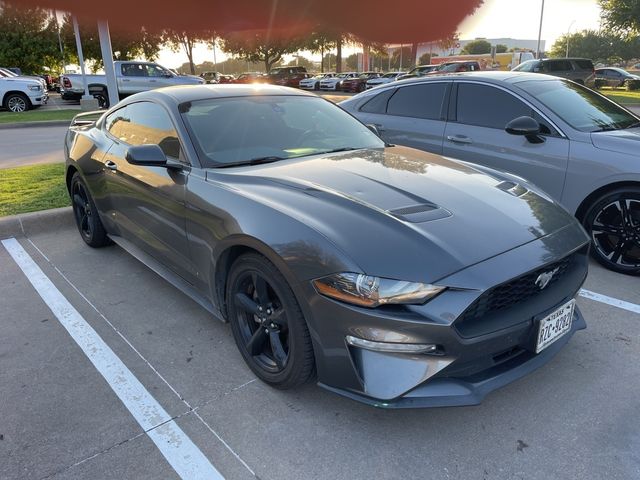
493,76
190,93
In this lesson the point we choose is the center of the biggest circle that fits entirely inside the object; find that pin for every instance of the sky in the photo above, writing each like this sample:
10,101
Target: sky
494,19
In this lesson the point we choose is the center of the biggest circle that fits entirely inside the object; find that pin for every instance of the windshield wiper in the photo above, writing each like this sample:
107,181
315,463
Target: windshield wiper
253,161
633,125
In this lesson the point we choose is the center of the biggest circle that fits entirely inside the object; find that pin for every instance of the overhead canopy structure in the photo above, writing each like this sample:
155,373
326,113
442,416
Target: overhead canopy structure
397,21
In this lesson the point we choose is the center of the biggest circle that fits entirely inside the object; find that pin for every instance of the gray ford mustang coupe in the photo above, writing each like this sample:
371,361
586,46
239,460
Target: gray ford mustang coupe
395,277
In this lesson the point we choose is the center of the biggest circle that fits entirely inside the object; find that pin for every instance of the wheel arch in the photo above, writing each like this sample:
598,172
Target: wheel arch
18,92
71,170
593,196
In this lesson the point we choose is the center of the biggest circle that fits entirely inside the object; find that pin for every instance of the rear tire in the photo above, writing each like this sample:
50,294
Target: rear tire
613,223
267,323
103,98
86,214
17,102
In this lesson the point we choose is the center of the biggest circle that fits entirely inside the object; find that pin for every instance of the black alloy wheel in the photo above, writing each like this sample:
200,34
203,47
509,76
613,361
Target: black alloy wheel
86,216
103,99
267,323
613,223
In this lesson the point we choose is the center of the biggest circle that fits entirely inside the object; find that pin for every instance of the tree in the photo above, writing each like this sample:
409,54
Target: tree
330,61
185,40
352,62
320,42
476,47
425,59
125,45
501,48
601,47
260,47
28,39
622,16
404,63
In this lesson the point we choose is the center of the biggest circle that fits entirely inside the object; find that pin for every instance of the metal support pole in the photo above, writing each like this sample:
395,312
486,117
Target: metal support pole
540,30
107,59
76,32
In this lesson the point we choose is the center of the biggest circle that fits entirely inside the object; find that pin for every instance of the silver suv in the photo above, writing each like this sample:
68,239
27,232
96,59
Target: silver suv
579,70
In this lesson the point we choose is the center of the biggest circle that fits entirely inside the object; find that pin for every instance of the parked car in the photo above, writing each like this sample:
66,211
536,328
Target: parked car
287,76
577,145
19,94
131,77
313,83
250,77
418,71
613,77
580,70
381,80
334,83
328,252
211,77
223,78
359,83
456,67
10,73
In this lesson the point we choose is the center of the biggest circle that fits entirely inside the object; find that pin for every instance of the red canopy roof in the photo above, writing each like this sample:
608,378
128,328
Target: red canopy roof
389,21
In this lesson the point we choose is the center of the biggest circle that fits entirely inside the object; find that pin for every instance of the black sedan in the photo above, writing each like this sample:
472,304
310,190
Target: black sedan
613,77
393,276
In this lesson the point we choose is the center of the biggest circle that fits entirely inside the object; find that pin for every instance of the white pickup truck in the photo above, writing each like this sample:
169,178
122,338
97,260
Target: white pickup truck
131,77
19,94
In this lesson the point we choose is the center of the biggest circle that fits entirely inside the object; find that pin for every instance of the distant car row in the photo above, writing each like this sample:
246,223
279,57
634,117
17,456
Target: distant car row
19,93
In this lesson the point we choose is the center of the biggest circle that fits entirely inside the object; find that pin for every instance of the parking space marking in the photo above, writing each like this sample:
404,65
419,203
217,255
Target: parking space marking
614,302
177,448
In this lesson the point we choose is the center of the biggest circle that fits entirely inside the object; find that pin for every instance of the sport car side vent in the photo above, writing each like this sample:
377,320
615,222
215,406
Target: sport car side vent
424,212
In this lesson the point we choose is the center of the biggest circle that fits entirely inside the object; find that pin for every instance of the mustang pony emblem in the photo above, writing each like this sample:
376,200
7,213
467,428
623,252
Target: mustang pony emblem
544,278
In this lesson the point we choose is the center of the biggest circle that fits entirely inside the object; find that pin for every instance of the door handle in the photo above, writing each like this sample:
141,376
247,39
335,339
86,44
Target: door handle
459,139
111,165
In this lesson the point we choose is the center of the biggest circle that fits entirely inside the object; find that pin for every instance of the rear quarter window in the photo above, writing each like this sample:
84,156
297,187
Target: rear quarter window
584,64
378,104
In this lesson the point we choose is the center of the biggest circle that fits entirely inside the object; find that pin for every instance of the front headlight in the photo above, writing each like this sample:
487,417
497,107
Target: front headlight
367,291
34,87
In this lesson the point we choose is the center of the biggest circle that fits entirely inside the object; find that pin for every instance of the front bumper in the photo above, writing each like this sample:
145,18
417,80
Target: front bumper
40,98
479,353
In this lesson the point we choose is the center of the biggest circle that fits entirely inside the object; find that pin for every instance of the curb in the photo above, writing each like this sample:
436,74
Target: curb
46,123
27,224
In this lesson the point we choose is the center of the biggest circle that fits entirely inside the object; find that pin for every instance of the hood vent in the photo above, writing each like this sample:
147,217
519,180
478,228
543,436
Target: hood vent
424,212
512,188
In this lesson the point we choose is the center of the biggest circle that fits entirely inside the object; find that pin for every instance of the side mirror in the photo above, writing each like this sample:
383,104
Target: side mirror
147,155
373,128
525,126
167,75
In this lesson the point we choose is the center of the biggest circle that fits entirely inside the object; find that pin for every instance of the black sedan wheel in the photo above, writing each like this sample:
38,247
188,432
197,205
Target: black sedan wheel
614,225
84,210
267,323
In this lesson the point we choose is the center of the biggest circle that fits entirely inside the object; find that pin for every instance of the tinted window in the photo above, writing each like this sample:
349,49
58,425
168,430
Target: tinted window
419,101
487,106
230,130
148,123
134,70
584,64
558,66
580,107
378,104
115,122
528,66
155,71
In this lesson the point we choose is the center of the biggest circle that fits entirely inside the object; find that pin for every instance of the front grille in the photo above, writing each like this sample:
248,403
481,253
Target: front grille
514,292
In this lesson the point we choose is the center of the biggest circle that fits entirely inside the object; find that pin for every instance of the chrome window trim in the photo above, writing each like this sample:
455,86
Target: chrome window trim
513,94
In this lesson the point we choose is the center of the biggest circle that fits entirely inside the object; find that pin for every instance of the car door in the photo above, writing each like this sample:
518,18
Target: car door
411,115
158,77
147,203
476,133
134,78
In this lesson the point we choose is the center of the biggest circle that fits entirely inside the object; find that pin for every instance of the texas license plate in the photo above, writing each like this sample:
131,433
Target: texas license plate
555,325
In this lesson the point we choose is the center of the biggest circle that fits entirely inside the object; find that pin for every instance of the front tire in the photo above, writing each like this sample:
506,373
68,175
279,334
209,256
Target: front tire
613,222
267,323
17,103
86,214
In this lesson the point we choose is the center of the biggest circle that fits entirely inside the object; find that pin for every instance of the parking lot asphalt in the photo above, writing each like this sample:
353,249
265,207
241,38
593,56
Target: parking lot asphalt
62,416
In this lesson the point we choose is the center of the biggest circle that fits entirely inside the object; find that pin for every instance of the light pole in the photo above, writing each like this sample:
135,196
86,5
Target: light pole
568,30
540,30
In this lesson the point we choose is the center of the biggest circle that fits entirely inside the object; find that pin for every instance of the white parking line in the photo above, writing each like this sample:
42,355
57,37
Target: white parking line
176,447
614,302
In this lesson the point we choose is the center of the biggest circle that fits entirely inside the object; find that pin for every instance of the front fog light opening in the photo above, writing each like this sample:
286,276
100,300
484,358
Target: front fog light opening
392,347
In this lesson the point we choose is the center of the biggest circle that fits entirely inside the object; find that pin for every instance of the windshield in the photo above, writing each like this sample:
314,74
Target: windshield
526,66
242,129
580,107
9,73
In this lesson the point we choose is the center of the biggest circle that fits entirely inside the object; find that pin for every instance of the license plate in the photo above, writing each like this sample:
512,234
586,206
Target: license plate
555,325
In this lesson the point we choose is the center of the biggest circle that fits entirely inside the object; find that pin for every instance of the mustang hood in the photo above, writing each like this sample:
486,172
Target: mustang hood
621,141
404,208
